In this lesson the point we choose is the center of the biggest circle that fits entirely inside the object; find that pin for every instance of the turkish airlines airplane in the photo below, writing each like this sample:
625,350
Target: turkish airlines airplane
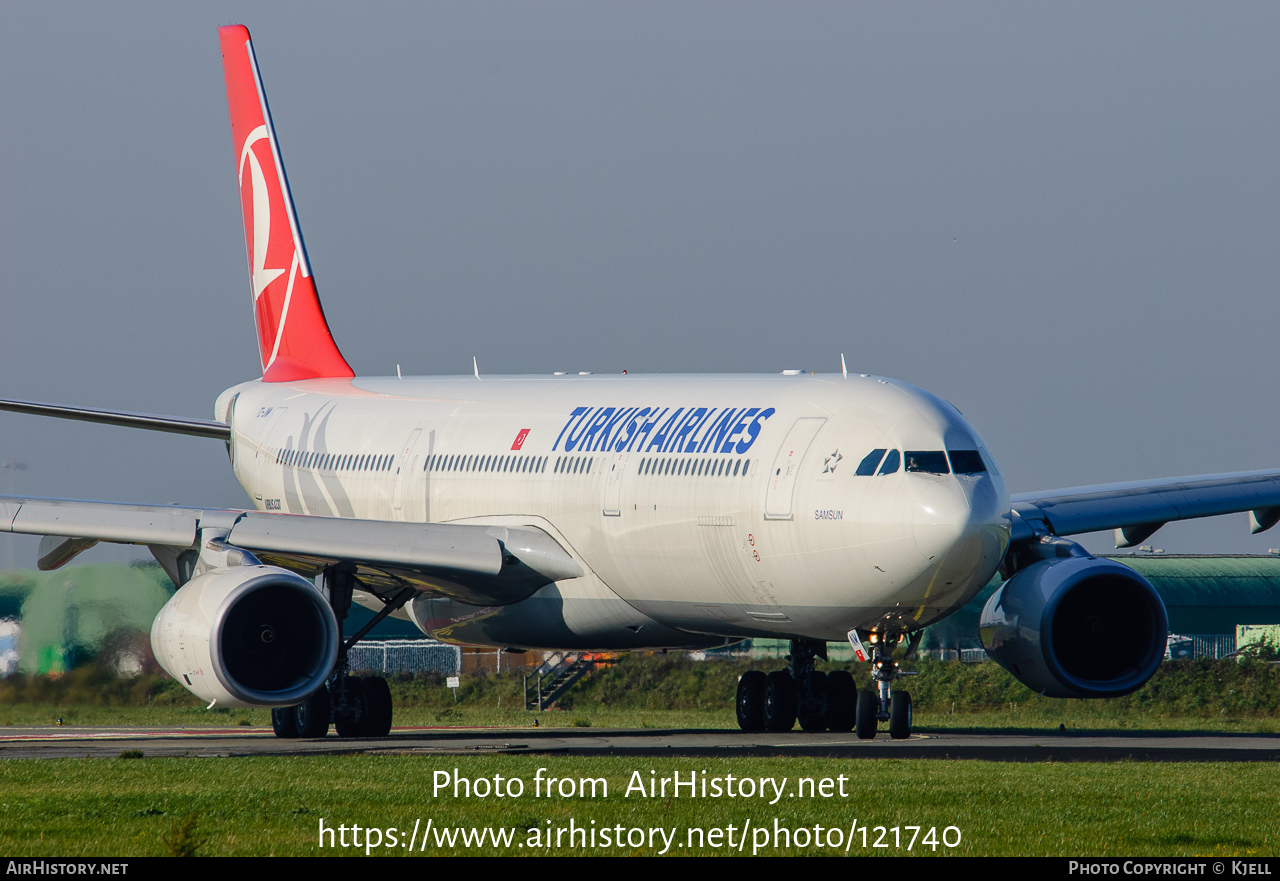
608,513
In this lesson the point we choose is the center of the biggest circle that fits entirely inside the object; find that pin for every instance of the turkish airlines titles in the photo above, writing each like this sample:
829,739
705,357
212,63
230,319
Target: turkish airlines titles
660,430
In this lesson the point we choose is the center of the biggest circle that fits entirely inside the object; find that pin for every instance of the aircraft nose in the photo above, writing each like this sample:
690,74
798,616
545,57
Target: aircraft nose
952,512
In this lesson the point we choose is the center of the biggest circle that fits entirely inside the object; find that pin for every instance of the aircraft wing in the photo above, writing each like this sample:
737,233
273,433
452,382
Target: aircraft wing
486,565
1136,510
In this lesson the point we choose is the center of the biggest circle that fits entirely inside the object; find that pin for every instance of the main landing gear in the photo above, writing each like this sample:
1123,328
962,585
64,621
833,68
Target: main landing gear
825,701
357,706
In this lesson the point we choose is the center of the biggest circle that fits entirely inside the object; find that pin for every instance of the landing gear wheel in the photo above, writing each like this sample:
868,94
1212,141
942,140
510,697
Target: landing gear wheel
900,715
842,701
751,701
779,701
866,722
811,707
312,715
352,722
284,722
377,704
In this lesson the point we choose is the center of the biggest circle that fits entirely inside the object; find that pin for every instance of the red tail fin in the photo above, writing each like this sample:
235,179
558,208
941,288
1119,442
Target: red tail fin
293,338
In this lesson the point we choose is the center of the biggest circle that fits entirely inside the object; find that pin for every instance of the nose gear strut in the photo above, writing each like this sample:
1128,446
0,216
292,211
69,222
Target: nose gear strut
883,704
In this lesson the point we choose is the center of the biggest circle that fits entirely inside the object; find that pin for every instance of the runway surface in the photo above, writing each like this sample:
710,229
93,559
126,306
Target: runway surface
1000,746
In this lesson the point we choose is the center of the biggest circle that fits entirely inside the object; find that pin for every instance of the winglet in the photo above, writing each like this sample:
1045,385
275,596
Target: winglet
294,341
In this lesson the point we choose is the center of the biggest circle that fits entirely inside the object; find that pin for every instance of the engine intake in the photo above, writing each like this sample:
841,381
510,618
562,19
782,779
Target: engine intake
247,636
1076,627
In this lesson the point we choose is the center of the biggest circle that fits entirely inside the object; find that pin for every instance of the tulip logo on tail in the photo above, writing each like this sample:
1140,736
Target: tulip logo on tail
293,337
257,202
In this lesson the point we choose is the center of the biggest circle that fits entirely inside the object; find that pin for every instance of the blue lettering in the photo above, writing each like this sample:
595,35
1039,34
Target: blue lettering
690,427
698,438
577,411
643,433
632,424
660,438
686,430
737,429
677,438
752,431
596,424
575,433
720,429
607,430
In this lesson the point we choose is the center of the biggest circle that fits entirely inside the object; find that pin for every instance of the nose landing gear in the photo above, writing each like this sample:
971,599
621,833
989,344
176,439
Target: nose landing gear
883,704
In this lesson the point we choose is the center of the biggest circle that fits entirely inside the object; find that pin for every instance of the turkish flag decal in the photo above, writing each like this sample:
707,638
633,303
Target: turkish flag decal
519,441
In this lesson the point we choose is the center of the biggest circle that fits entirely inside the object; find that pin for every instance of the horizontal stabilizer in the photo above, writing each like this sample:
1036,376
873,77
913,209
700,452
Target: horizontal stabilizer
171,424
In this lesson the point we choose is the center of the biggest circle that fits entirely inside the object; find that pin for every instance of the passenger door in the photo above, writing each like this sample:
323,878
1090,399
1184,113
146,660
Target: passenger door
786,465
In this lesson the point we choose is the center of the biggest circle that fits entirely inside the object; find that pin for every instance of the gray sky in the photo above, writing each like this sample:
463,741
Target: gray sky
1063,218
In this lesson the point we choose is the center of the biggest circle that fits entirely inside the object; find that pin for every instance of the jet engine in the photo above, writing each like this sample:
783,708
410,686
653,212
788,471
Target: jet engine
1078,626
247,636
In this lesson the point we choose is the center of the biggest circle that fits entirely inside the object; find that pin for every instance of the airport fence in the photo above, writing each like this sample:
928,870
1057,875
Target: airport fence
406,656
1215,645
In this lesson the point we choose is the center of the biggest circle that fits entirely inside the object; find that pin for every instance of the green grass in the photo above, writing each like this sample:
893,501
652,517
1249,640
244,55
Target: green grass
260,806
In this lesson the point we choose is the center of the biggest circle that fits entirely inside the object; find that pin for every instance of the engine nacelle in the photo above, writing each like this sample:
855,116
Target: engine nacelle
247,636
1076,627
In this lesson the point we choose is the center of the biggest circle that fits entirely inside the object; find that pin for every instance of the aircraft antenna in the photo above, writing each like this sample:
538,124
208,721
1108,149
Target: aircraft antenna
475,365
843,369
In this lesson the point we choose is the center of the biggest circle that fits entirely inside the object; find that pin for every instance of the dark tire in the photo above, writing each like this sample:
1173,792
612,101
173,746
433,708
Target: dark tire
842,701
866,721
312,715
900,715
284,722
352,723
779,701
811,702
751,701
377,703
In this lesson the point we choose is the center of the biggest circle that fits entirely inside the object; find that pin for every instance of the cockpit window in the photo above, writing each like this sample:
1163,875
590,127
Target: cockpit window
930,461
868,465
890,465
966,462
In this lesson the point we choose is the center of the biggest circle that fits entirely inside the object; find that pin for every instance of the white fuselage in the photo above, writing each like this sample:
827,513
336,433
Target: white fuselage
702,508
